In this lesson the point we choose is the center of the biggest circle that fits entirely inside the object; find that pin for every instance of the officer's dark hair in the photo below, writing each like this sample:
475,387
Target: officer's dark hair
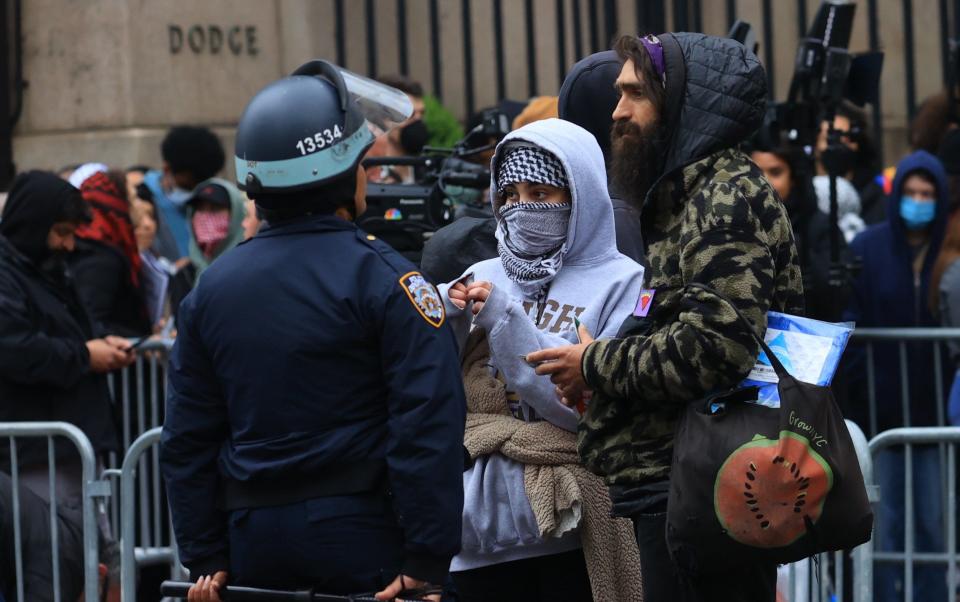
320,200
629,47
404,84
195,150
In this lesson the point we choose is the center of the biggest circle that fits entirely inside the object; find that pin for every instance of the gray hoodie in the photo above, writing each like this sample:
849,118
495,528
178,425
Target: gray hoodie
596,284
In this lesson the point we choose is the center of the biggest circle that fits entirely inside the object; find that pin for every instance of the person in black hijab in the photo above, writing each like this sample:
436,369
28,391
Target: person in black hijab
52,364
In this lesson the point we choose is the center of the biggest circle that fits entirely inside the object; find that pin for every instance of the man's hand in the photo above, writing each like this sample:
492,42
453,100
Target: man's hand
106,357
207,589
458,295
479,292
402,582
563,366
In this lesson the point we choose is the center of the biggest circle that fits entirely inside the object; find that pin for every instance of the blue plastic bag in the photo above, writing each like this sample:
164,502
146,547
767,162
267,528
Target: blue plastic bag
809,349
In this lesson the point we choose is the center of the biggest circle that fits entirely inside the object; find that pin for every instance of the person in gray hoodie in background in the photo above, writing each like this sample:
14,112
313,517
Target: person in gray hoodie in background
558,267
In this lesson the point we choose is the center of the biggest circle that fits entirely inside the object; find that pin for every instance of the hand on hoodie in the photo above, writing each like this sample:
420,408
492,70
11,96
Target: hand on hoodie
563,364
478,292
458,295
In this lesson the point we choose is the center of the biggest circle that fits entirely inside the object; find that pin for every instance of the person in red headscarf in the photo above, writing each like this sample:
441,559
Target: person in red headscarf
106,264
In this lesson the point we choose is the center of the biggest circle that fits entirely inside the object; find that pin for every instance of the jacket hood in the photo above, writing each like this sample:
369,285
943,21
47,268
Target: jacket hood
715,97
234,231
36,201
587,97
590,235
922,161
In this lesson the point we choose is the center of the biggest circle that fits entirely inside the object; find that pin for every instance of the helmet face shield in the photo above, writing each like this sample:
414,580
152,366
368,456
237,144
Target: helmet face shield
383,107
313,127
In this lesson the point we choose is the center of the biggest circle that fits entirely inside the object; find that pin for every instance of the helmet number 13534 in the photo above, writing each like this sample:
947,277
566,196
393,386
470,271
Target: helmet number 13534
319,141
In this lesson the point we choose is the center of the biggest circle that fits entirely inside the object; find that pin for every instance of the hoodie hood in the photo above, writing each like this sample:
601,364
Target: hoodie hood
716,96
234,232
925,162
590,235
36,201
588,98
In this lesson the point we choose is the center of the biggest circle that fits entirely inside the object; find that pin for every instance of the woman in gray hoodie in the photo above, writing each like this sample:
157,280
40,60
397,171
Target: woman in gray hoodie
558,267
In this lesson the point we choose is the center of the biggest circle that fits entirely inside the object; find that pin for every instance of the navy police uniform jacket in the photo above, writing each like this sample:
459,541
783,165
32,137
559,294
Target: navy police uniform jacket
311,347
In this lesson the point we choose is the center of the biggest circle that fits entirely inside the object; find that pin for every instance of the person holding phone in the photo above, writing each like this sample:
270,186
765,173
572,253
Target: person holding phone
558,264
52,360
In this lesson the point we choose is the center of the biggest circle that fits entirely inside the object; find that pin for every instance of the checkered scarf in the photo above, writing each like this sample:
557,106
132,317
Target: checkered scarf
530,164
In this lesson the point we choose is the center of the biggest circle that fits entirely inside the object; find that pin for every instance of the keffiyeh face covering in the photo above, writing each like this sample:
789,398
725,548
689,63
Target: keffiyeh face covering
531,236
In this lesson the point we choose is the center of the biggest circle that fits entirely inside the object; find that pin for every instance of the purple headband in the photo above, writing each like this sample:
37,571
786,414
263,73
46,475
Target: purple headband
655,51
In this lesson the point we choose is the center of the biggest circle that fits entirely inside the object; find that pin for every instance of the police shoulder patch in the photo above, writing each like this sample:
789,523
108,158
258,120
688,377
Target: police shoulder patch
424,297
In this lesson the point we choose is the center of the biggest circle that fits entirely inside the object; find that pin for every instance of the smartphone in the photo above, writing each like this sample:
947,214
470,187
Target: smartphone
529,363
137,343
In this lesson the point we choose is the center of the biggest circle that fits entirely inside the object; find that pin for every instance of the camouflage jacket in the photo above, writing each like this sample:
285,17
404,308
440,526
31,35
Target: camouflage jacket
715,222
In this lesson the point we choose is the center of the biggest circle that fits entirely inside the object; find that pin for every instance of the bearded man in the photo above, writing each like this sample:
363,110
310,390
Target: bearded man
709,217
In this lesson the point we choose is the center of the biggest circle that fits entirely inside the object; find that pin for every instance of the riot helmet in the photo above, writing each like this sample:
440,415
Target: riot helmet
312,128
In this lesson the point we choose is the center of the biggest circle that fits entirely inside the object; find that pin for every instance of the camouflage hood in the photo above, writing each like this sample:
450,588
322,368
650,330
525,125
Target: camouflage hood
716,94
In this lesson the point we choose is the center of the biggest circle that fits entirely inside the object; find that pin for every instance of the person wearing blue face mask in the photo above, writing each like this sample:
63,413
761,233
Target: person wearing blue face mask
190,156
891,290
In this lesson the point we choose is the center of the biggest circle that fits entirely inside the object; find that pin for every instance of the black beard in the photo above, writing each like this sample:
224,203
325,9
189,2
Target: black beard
635,160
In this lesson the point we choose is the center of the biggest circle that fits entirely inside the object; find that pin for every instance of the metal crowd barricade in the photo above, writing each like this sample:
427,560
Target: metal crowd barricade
902,337
824,579
151,512
91,489
139,393
902,343
908,437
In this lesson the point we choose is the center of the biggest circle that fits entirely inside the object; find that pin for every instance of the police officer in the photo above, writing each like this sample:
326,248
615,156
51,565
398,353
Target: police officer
314,426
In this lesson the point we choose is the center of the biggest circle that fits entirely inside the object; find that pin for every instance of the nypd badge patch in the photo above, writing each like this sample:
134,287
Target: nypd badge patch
424,297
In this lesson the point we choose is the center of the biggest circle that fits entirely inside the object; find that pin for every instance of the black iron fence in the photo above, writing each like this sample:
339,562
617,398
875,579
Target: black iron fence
481,51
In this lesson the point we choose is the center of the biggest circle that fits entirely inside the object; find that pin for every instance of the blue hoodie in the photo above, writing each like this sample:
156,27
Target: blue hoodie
886,295
173,236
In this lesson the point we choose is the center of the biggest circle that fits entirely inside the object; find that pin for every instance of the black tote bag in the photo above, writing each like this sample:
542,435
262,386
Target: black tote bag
750,482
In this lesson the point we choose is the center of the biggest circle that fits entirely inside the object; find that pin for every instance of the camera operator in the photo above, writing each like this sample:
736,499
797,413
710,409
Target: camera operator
851,123
407,140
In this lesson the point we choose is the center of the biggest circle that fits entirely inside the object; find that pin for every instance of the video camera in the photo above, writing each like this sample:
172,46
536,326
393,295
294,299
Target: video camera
825,74
405,215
